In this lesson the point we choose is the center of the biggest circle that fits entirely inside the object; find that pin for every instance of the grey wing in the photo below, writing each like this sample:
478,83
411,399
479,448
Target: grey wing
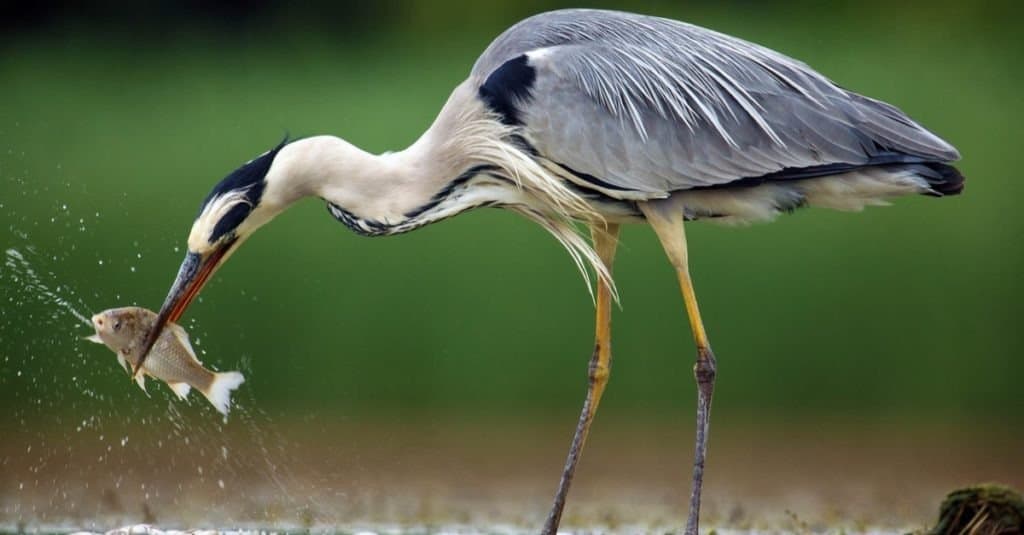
640,106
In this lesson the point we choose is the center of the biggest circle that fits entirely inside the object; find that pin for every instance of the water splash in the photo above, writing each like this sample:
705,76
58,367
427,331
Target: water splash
20,271
90,449
88,446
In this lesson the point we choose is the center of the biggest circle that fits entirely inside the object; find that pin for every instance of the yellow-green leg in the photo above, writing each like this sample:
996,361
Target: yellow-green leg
666,218
605,238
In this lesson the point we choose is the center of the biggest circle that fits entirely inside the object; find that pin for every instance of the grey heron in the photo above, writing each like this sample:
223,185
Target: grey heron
599,118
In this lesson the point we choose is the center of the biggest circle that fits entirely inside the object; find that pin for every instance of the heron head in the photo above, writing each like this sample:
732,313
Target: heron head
232,211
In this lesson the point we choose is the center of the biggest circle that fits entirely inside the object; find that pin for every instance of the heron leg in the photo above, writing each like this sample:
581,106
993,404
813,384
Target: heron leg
666,218
606,238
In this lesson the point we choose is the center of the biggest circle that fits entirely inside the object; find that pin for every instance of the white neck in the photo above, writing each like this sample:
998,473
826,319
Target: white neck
379,187
382,188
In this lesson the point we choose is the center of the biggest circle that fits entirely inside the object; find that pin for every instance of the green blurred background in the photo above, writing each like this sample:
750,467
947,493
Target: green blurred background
115,120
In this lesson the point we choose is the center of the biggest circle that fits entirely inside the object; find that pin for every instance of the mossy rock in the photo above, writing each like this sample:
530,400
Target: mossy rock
981,510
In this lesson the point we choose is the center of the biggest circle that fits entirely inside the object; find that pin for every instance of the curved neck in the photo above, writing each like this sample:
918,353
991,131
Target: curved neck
398,191
382,187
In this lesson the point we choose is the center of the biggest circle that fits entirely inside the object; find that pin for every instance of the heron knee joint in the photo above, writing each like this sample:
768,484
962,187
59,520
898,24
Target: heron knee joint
706,368
600,368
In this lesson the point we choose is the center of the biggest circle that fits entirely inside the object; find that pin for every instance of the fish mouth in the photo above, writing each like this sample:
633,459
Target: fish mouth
100,325
195,270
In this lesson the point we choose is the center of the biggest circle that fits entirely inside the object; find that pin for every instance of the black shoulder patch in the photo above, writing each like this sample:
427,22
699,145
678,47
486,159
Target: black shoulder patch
509,86
250,178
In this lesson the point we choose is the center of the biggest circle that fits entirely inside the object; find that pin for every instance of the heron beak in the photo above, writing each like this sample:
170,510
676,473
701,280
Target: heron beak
195,270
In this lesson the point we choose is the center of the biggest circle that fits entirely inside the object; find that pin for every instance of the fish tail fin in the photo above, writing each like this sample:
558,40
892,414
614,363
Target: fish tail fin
181,389
220,390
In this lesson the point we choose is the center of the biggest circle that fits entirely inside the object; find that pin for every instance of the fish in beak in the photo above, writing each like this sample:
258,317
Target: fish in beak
195,270
232,211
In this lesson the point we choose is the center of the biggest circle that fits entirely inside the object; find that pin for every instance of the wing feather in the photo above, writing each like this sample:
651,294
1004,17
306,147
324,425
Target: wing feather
651,105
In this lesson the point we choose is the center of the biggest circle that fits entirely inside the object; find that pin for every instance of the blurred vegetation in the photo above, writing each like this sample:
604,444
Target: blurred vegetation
115,123
988,508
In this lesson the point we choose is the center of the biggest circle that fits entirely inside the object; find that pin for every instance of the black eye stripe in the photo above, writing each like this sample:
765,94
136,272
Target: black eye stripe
250,179
230,221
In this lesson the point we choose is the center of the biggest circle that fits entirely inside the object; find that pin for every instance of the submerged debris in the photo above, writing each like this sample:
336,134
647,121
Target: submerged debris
982,510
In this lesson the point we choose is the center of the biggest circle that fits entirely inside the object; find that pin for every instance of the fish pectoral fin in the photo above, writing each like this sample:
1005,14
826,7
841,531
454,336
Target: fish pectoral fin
140,379
181,389
93,338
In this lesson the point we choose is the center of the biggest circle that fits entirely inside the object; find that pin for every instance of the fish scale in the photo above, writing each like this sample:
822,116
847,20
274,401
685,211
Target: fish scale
181,367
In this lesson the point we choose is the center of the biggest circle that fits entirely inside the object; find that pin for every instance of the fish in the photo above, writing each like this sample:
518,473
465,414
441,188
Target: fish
171,360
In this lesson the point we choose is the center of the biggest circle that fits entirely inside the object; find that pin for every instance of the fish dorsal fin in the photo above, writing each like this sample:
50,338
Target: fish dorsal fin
182,337
181,389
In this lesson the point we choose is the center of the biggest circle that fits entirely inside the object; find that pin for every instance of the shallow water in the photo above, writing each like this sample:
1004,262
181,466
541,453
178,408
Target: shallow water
421,474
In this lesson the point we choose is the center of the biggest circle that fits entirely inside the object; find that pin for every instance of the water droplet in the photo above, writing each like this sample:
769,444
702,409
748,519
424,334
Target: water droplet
100,262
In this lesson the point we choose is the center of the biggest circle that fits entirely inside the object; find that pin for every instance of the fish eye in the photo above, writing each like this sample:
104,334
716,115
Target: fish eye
117,325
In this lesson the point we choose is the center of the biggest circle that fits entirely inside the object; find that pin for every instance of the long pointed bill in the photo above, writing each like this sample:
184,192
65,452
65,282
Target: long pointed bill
195,270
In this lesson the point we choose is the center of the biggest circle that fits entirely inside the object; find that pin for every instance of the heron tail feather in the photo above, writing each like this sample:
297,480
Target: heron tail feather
943,178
